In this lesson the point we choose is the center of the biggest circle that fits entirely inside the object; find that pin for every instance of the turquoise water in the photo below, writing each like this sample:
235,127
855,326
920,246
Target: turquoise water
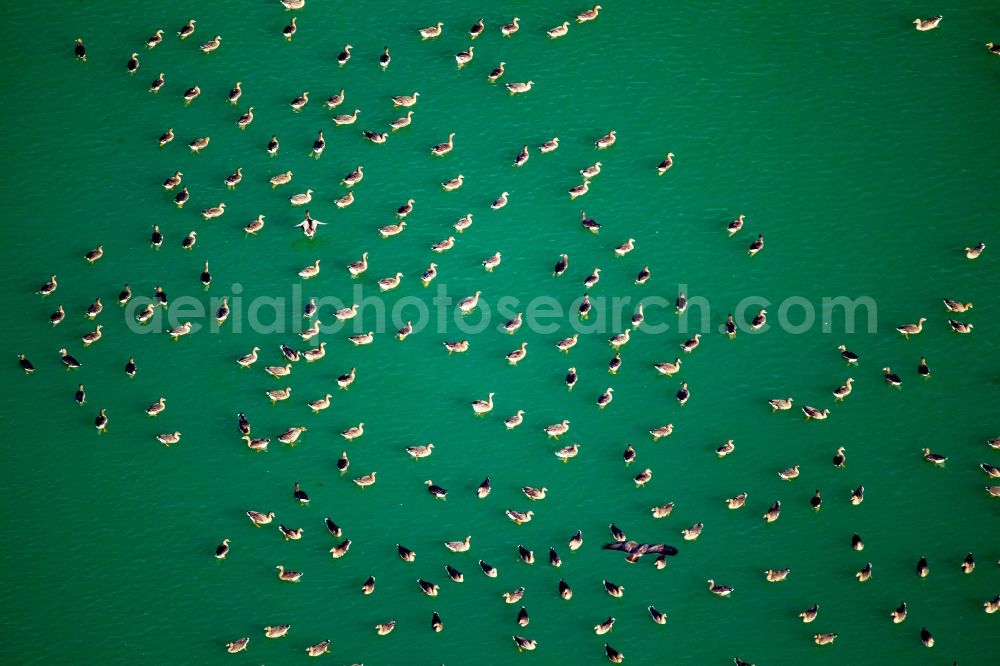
862,150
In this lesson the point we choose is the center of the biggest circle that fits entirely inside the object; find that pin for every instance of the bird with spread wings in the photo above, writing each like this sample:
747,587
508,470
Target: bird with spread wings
636,550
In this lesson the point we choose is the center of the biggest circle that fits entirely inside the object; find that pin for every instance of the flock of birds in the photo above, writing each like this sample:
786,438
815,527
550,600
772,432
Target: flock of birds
633,550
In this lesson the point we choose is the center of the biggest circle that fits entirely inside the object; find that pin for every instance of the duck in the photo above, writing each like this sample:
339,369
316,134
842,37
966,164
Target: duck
514,597
643,275
857,543
934,458
101,421
625,247
344,56
300,102
683,394
57,316
824,639
899,615
756,246
927,24
816,501
301,199
427,587
459,546
615,363
166,137
279,394
922,567
157,407
435,490
79,50
759,320
211,45
891,378
385,628
692,533
29,368
293,534
390,230
463,58
289,30
568,452
279,370
566,344
321,648
912,329
968,564
197,145
621,339
259,518
477,29
384,59
692,344
565,591
432,31
491,262
737,502
469,303
607,140
133,63
974,252
558,31
343,463
187,29
310,271
353,178
277,631
557,430
842,392
518,354
365,480
519,517
288,575
389,283
249,359
991,470
510,28
402,122
662,431
354,432
523,644
169,438
776,575
605,398
191,94
346,118
239,645
865,573
839,460
858,496
813,413
519,87
273,145
291,435
457,347
513,325
483,491
95,309
489,570
782,404
453,184
157,83
235,93
719,590
960,327
579,190
990,46
49,287
214,211
725,449
773,513
789,473
657,616
173,181
956,306
405,101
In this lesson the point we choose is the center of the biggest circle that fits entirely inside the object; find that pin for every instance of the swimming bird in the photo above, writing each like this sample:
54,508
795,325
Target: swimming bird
157,83
519,517
191,94
259,518
310,271
187,29
858,495
483,491
857,543
133,63
68,361
385,628
166,137
621,339
431,32
991,470
342,548
429,274
824,639
534,494
287,575
384,59
692,344
273,145
211,45
839,459
301,199
813,413
79,50
518,354
891,378
197,145
774,512
289,533
776,575
365,480
390,230
95,309
912,329
319,145
346,118
616,533
343,462
345,55
780,404
48,287
683,394
968,564
927,24
719,590
789,473
992,48
662,431
157,407
605,399
427,587
625,247
518,87
459,546
279,370
289,30
477,29
974,252
557,430
457,347
402,122
353,432
276,631
291,435
405,331
725,449
523,644
615,363
607,140
899,615
549,145
934,458
643,275
169,438
453,184
389,283
816,501
28,367
300,102
515,596
580,190
566,344
239,645
865,573
57,316
489,570
463,58
842,392
509,29
513,325
692,533
565,591
435,490
480,407
522,156
101,421
214,211
960,327
235,93
756,246
353,178
956,306
558,31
